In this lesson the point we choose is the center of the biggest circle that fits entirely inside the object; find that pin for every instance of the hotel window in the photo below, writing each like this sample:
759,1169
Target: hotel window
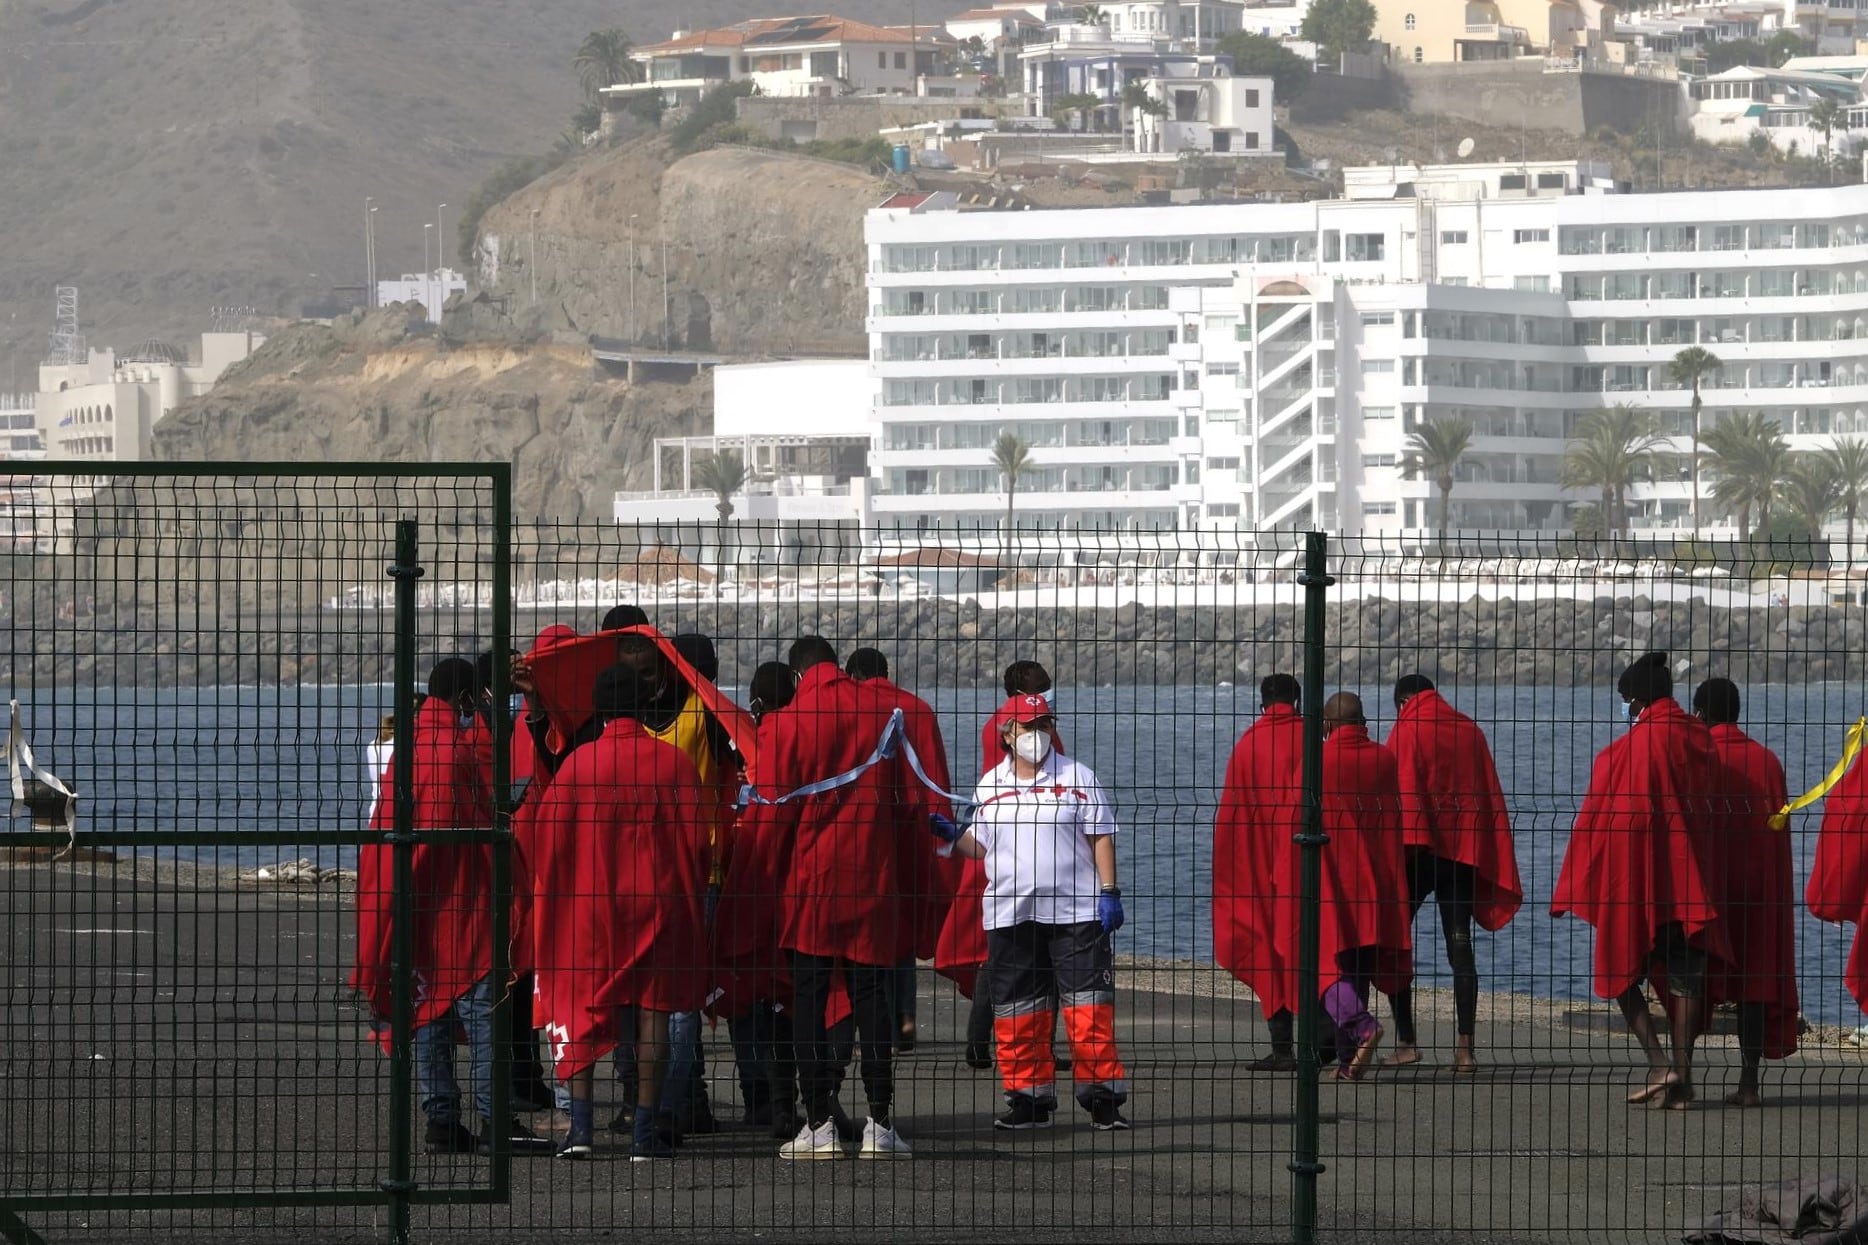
1377,412
1222,464
1378,367
1530,235
1378,460
1251,99
1378,319
1536,285
1365,247
1409,21
1452,237
1377,509
1223,510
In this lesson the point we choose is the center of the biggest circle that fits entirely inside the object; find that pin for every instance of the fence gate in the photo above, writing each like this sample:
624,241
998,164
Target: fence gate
203,654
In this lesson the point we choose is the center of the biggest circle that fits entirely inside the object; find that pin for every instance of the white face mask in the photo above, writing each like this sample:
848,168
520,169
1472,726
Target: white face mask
1032,747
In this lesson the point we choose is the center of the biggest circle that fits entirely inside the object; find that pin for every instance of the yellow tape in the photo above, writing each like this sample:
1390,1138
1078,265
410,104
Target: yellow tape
1851,747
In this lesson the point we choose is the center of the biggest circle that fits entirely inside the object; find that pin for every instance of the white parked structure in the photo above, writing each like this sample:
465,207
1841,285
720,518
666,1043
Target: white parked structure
431,289
1263,365
1216,113
995,28
106,408
1730,107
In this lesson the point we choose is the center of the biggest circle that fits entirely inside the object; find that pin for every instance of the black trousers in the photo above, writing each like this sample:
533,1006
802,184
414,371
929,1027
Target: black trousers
763,1049
820,1063
1453,886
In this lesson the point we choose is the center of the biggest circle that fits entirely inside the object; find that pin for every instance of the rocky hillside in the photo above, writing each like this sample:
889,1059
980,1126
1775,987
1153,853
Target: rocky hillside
764,249
380,389
168,156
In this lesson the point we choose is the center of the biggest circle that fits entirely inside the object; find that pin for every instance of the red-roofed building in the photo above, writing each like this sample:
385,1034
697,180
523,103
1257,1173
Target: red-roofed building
820,55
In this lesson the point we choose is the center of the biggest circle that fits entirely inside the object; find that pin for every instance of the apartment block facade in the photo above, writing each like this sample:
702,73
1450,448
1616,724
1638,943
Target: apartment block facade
1263,365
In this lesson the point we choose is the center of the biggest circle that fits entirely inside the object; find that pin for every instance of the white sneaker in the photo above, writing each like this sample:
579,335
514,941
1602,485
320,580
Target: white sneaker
882,1142
814,1143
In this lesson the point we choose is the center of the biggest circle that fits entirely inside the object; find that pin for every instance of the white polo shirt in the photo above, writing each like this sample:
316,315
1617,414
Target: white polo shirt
1036,834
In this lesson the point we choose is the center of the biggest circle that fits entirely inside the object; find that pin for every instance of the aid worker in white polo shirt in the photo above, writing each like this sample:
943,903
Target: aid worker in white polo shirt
1046,834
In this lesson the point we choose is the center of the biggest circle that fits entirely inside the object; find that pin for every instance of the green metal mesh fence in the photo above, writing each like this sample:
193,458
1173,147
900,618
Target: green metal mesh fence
207,660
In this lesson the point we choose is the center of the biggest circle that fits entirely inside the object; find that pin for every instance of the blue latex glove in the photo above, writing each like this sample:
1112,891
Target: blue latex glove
1109,912
944,828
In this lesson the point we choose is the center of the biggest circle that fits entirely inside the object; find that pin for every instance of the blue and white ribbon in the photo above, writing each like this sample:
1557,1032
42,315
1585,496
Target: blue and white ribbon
894,736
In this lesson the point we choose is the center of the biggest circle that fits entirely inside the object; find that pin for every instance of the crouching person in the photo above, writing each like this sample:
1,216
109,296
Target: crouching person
613,857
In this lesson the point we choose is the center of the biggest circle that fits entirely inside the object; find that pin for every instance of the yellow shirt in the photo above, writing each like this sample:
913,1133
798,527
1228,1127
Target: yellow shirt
688,732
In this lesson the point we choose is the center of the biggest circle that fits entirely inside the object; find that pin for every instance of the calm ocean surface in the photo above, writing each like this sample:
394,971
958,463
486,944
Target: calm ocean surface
203,760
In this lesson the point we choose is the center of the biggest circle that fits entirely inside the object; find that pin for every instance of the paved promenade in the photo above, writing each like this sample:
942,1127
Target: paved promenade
171,1033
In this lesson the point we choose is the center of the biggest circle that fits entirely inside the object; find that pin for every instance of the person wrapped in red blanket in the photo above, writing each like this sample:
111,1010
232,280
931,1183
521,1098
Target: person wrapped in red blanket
1637,868
1838,885
846,907
1756,892
1458,848
614,859
452,940
1364,938
1260,809
933,891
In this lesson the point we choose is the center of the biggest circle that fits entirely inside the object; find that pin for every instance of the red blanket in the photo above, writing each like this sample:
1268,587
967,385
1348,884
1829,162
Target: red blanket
1260,809
1838,886
453,882
855,853
566,672
1364,889
1639,855
1451,801
1754,888
961,950
614,859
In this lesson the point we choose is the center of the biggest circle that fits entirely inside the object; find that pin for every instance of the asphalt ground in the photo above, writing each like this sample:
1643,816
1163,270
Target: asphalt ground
186,1036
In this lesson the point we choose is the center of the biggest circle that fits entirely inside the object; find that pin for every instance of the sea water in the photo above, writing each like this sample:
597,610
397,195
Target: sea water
221,760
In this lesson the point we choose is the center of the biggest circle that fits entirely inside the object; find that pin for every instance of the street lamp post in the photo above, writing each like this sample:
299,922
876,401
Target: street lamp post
428,229
632,279
441,288
369,251
668,319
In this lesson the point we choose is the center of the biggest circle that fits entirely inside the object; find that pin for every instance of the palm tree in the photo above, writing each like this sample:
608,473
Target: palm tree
1012,457
1826,116
1749,454
1686,369
1434,452
1810,491
603,60
1093,15
722,473
1612,449
1848,460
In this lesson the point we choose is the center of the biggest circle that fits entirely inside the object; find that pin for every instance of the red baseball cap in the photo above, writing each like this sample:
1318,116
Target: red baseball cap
1025,709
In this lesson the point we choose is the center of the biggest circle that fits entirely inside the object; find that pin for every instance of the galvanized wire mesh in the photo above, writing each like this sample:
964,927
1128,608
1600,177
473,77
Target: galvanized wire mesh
221,686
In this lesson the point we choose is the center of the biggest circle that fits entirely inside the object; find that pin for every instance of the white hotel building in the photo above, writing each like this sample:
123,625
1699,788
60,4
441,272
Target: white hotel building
1262,365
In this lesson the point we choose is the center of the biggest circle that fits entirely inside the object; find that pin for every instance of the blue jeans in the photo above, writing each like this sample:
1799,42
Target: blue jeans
439,1092
684,1057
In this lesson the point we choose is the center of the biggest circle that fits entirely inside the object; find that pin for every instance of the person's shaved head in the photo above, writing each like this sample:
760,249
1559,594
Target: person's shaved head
1343,709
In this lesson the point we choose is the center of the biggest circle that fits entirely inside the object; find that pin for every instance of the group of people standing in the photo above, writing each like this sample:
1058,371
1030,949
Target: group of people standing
780,867
784,865
1678,859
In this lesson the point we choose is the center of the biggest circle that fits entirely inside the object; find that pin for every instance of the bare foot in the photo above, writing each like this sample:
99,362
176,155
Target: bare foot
1657,1082
1365,1055
1743,1097
1465,1061
1405,1053
1679,1097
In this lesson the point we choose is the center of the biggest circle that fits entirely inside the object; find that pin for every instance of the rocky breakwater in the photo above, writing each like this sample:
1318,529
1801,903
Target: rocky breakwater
934,643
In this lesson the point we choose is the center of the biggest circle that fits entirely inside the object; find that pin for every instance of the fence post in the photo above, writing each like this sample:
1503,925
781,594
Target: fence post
399,1184
500,849
1310,840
